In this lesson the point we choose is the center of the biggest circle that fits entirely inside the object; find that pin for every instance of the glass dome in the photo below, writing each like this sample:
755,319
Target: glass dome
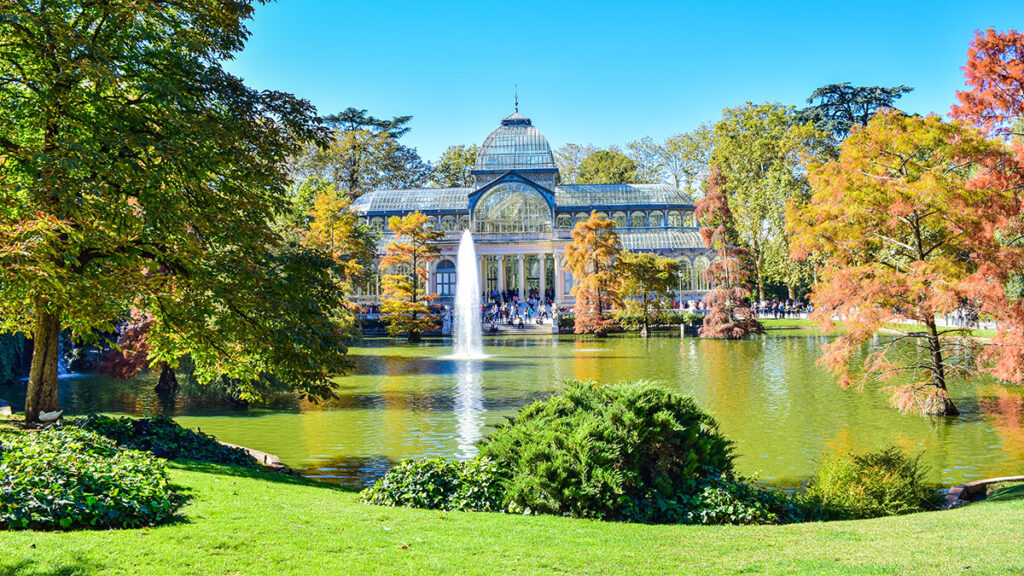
515,145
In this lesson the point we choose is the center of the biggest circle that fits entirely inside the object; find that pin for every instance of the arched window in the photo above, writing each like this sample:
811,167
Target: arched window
685,275
446,278
448,223
689,220
581,217
675,218
657,218
620,219
512,207
377,224
464,222
699,266
637,220
431,223
601,214
565,220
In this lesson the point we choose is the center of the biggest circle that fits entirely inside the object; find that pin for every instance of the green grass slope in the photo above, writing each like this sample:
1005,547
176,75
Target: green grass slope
243,522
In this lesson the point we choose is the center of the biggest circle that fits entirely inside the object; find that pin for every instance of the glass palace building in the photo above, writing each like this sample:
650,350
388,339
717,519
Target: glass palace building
522,217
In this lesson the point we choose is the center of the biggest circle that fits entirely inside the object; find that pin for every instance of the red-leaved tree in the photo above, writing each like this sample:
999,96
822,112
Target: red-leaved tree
910,229
728,316
994,103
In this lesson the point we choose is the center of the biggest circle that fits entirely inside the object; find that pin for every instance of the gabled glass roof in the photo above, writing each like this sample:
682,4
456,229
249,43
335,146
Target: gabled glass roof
515,145
422,199
658,239
588,196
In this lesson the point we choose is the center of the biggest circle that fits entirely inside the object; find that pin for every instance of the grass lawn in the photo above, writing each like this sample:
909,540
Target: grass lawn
244,522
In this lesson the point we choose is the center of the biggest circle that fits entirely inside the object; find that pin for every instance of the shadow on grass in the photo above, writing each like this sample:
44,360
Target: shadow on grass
1008,493
28,567
255,474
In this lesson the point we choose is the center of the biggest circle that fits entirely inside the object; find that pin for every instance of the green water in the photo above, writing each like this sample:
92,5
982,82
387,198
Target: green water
783,412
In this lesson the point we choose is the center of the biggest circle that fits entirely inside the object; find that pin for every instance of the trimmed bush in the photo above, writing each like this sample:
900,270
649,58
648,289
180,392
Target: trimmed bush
440,484
164,438
633,452
67,478
634,321
869,485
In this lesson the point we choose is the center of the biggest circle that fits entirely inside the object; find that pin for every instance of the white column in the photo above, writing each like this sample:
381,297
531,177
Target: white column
501,273
432,277
522,276
483,274
543,275
559,279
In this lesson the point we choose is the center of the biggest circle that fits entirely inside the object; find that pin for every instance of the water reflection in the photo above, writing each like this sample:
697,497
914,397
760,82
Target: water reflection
783,413
469,408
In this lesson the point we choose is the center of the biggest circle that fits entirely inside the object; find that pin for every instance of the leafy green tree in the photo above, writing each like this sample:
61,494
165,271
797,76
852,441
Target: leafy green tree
836,108
453,167
646,282
363,153
568,158
607,167
405,302
687,157
136,172
760,151
649,158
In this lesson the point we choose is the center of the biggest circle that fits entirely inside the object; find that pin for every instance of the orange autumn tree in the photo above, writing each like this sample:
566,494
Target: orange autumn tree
728,316
906,236
405,302
591,258
994,103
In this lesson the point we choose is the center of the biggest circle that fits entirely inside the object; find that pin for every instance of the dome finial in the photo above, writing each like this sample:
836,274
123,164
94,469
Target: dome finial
517,98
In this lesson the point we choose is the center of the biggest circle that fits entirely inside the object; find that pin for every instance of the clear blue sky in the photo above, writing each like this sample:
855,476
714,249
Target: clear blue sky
603,73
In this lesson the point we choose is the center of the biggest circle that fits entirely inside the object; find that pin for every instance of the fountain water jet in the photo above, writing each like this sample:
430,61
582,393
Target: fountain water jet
468,334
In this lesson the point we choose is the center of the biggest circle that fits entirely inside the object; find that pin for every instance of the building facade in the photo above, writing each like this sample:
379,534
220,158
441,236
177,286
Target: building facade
522,217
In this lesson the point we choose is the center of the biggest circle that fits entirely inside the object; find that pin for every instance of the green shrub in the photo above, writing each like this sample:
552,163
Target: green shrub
630,452
875,484
164,438
67,478
439,484
724,500
635,320
566,322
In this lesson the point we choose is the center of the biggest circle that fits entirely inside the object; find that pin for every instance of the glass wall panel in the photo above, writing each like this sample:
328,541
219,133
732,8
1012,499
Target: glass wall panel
512,207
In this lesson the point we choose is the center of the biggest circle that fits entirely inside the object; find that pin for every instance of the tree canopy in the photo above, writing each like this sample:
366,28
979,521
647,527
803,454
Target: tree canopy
452,169
607,167
135,171
837,108
362,153
760,150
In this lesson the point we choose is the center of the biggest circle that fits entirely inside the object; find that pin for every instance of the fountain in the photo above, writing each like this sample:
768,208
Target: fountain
468,335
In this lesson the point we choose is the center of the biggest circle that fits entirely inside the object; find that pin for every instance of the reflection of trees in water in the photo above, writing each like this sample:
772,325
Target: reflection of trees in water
1005,412
352,471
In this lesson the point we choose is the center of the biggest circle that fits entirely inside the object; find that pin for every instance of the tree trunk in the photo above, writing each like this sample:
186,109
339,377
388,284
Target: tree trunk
792,292
938,403
168,384
42,380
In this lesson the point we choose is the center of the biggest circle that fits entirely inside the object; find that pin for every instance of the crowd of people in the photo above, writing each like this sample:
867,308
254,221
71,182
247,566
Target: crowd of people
506,308
778,308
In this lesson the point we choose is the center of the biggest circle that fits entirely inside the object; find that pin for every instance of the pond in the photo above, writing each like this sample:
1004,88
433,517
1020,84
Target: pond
784,413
